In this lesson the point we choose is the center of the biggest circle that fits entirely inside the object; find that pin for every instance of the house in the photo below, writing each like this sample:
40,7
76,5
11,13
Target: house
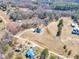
30,53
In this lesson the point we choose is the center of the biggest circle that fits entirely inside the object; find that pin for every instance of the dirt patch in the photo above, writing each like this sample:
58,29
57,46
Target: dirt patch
54,43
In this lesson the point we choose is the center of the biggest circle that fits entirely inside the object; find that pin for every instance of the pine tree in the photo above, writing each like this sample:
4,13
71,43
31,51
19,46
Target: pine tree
60,25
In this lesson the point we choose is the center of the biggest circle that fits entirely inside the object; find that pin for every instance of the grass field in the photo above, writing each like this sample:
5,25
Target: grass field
54,43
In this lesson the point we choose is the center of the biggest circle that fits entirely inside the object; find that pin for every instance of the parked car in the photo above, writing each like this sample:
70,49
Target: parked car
75,31
37,30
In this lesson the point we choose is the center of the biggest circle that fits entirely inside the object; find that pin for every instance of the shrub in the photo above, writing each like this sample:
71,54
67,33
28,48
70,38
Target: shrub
74,18
19,56
64,47
10,54
3,6
44,54
0,20
59,31
5,47
10,43
47,30
42,15
69,53
60,25
52,57
76,57
13,16
57,18
66,50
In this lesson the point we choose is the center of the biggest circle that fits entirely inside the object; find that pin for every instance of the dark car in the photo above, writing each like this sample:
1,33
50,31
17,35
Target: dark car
37,30
75,31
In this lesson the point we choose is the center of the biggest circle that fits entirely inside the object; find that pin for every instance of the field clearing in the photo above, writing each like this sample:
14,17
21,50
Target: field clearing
54,43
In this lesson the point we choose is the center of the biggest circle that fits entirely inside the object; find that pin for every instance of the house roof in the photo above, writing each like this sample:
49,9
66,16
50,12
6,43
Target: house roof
30,52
